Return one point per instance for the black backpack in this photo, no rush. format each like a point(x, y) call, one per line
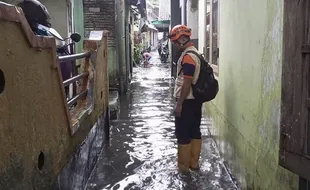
point(206, 87)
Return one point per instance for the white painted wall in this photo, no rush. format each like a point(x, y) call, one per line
point(59, 15)
point(192, 19)
point(202, 11)
point(182, 11)
point(164, 10)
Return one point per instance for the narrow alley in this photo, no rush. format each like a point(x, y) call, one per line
point(77, 112)
point(142, 151)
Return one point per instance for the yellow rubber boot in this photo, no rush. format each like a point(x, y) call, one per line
point(195, 153)
point(184, 157)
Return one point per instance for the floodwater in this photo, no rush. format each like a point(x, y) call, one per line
point(142, 150)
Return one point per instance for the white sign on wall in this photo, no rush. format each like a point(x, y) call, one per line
point(96, 35)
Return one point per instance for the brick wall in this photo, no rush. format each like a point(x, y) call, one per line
point(100, 15)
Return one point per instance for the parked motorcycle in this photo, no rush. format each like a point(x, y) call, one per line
point(65, 47)
point(39, 20)
point(164, 53)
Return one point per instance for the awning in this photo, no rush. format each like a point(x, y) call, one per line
point(161, 22)
point(146, 25)
point(162, 25)
point(152, 27)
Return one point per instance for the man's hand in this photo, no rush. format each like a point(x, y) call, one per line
point(184, 93)
point(178, 111)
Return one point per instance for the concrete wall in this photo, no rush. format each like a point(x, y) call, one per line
point(59, 15)
point(164, 10)
point(36, 126)
point(202, 24)
point(192, 19)
point(175, 20)
point(246, 112)
point(151, 39)
point(32, 104)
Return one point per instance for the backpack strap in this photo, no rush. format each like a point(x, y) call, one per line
point(195, 53)
point(180, 71)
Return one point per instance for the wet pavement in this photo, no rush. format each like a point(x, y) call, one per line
point(142, 150)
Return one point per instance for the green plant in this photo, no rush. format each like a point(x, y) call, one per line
point(137, 53)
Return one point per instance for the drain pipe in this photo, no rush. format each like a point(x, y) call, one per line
point(120, 44)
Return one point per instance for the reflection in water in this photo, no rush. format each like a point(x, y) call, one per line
point(142, 151)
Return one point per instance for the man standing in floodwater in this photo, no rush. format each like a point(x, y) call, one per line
point(188, 111)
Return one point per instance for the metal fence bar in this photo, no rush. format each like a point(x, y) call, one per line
point(73, 100)
point(73, 57)
point(75, 78)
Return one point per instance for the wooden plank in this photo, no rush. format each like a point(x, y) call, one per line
point(294, 112)
point(308, 102)
point(305, 80)
point(301, 162)
point(305, 48)
point(292, 59)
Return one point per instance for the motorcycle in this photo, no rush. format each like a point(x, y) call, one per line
point(164, 56)
point(39, 21)
point(164, 53)
point(64, 47)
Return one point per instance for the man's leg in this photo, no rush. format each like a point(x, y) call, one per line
point(144, 62)
point(195, 136)
point(148, 60)
point(184, 146)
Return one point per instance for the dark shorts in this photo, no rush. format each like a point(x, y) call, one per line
point(187, 126)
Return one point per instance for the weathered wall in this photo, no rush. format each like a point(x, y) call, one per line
point(35, 124)
point(246, 113)
point(32, 107)
point(101, 15)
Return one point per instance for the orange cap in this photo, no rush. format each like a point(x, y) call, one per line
point(178, 31)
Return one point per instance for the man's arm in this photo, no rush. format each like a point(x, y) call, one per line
point(189, 66)
point(186, 86)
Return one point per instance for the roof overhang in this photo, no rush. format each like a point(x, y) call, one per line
point(162, 25)
point(147, 26)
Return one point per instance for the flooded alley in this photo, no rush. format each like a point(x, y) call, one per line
point(77, 112)
point(142, 150)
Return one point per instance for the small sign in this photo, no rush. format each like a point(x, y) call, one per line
point(96, 35)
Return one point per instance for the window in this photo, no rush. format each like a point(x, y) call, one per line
point(212, 34)
point(294, 153)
